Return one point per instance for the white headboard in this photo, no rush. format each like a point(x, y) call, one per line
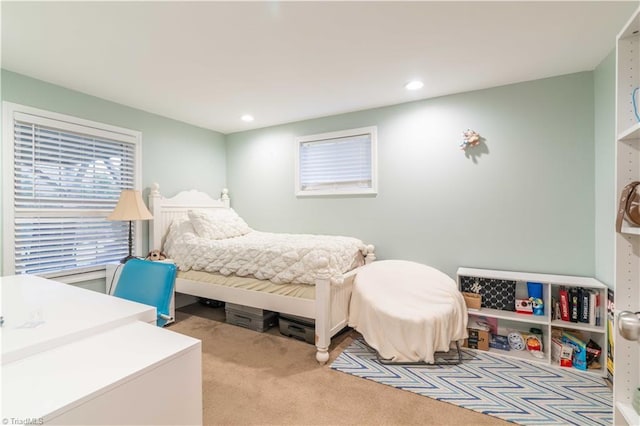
point(165, 210)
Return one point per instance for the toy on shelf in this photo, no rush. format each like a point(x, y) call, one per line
point(524, 306)
point(535, 297)
point(534, 343)
point(537, 305)
point(516, 342)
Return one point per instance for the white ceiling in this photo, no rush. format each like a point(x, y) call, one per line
point(207, 63)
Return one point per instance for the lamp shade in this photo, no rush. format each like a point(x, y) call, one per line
point(130, 207)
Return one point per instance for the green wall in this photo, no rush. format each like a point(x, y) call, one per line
point(605, 202)
point(174, 154)
point(523, 200)
point(532, 197)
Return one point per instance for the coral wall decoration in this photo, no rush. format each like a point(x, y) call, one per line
point(470, 138)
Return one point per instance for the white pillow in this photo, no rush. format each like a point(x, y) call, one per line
point(181, 226)
point(180, 230)
point(218, 224)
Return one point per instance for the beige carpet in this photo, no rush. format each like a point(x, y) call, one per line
point(267, 378)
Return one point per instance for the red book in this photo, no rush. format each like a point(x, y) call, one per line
point(564, 304)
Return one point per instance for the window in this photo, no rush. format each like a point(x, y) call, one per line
point(337, 163)
point(63, 176)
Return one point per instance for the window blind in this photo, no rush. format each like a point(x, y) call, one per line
point(67, 179)
point(336, 163)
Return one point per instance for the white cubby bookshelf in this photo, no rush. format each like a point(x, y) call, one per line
point(551, 284)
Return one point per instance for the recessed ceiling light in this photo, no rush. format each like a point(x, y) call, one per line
point(414, 85)
point(247, 118)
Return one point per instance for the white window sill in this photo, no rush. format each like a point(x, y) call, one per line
point(79, 277)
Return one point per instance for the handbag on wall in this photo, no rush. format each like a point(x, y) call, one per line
point(629, 207)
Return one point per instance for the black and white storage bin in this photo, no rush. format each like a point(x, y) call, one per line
point(298, 328)
point(496, 294)
point(248, 317)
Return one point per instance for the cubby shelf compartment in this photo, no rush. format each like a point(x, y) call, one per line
point(523, 322)
point(511, 316)
point(576, 326)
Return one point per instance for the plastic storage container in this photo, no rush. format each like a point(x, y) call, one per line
point(298, 328)
point(252, 318)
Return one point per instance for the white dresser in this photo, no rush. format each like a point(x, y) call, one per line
point(74, 356)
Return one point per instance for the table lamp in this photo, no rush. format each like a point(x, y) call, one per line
point(130, 207)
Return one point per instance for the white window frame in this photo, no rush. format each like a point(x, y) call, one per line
point(64, 122)
point(372, 131)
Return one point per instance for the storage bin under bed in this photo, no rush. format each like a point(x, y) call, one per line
point(248, 317)
point(298, 328)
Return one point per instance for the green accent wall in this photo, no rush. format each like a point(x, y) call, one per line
point(532, 197)
point(523, 200)
point(604, 81)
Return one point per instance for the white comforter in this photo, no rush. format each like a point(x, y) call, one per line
point(280, 258)
point(406, 310)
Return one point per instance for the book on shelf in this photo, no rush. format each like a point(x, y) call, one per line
point(564, 304)
point(594, 308)
point(598, 309)
point(583, 302)
point(579, 305)
point(574, 305)
point(610, 333)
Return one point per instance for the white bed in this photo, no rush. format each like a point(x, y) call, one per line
point(329, 307)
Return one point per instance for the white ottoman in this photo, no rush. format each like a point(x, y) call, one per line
point(407, 311)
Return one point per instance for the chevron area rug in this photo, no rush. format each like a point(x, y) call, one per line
point(511, 389)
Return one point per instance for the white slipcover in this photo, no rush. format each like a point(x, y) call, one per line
point(407, 311)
